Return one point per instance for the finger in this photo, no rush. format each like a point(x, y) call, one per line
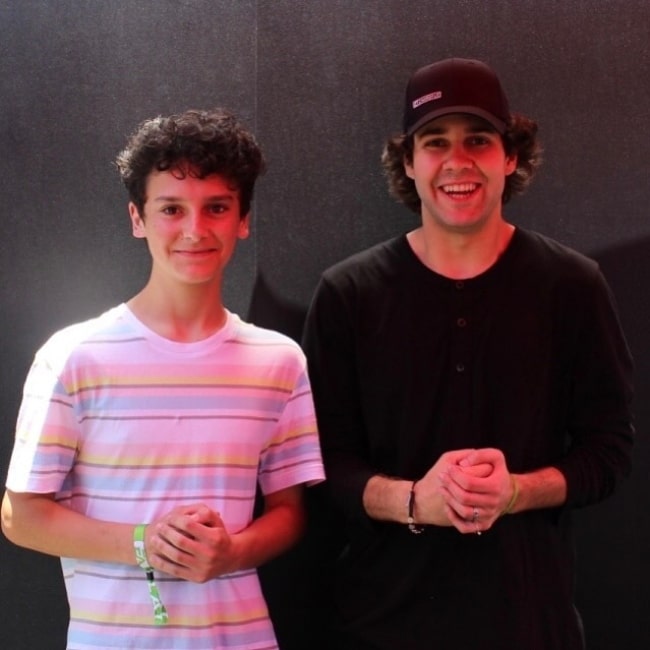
point(479, 482)
point(457, 501)
point(453, 493)
point(464, 503)
point(172, 566)
point(174, 535)
point(469, 513)
point(189, 509)
point(207, 517)
point(168, 558)
point(454, 457)
point(488, 455)
point(481, 470)
point(461, 524)
point(475, 523)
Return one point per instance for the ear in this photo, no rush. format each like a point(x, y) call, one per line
point(137, 223)
point(511, 164)
point(244, 227)
point(408, 167)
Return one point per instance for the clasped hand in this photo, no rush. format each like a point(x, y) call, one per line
point(191, 543)
point(468, 489)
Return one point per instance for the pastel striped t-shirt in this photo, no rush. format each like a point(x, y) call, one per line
point(124, 425)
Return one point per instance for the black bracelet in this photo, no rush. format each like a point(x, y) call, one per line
point(413, 527)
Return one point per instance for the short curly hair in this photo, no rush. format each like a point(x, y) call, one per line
point(196, 142)
point(520, 139)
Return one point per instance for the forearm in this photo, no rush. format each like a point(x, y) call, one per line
point(268, 536)
point(41, 524)
point(543, 488)
point(386, 499)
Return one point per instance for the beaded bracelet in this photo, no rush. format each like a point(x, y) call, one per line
point(160, 616)
point(410, 520)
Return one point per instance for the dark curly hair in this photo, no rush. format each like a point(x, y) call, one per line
point(198, 143)
point(520, 139)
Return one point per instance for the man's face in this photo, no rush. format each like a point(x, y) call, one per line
point(191, 226)
point(459, 168)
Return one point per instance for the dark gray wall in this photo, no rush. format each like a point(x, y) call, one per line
point(321, 84)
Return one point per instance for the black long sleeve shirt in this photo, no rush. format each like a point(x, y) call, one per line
point(528, 357)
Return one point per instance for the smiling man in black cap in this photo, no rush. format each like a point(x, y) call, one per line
point(472, 385)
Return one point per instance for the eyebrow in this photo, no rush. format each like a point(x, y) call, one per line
point(208, 199)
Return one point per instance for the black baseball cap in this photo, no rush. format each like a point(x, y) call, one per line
point(455, 86)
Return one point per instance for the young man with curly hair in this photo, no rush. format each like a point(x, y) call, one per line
point(144, 433)
point(472, 385)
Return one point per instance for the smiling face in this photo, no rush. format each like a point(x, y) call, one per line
point(459, 168)
point(191, 226)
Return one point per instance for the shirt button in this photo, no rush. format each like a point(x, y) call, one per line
point(460, 367)
point(461, 322)
point(460, 284)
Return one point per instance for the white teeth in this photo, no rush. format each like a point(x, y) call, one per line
point(460, 188)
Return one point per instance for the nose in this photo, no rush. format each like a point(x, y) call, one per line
point(193, 226)
point(458, 157)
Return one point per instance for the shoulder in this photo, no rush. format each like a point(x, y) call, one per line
point(264, 356)
point(80, 337)
point(262, 339)
point(377, 264)
point(554, 258)
point(570, 277)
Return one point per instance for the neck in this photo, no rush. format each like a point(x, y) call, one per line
point(191, 315)
point(460, 256)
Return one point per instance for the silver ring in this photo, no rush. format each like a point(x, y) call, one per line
point(475, 520)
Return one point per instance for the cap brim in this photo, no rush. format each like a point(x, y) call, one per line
point(498, 124)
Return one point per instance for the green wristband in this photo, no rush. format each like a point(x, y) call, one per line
point(160, 616)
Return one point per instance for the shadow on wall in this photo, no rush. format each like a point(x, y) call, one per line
point(611, 538)
point(270, 309)
point(297, 584)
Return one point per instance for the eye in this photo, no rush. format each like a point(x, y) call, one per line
point(217, 208)
point(434, 142)
point(477, 140)
point(171, 210)
point(480, 140)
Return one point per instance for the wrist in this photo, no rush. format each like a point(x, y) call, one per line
point(411, 522)
point(385, 498)
point(514, 496)
point(139, 551)
point(160, 616)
